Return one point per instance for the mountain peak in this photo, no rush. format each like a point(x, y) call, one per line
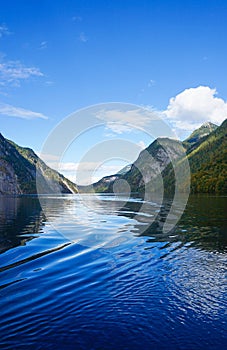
point(208, 125)
point(198, 134)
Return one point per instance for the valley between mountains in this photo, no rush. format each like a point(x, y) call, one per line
point(205, 149)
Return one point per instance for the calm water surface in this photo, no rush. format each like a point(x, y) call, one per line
point(88, 272)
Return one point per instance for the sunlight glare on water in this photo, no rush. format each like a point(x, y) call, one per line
point(86, 272)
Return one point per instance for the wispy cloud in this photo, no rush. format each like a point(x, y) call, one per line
point(48, 158)
point(120, 121)
point(4, 30)
point(49, 83)
point(89, 172)
point(151, 83)
point(11, 111)
point(141, 144)
point(83, 38)
point(12, 72)
point(43, 45)
point(77, 18)
point(83, 173)
point(148, 85)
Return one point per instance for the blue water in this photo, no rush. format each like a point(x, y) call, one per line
point(87, 272)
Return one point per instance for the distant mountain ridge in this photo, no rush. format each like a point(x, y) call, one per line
point(19, 169)
point(206, 150)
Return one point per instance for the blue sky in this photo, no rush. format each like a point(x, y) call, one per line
point(60, 56)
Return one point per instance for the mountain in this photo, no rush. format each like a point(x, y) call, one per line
point(145, 170)
point(105, 184)
point(206, 150)
point(208, 163)
point(199, 135)
point(20, 167)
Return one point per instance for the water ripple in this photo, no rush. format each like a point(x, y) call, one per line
point(97, 280)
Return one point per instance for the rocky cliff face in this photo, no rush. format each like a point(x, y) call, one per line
point(146, 169)
point(152, 161)
point(8, 179)
point(20, 168)
point(206, 152)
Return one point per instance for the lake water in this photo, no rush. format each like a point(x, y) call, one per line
point(88, 272)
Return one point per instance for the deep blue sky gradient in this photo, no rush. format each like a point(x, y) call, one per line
point(100, 51)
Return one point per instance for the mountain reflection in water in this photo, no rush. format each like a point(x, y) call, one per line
point(99, 272)
point(20, 220)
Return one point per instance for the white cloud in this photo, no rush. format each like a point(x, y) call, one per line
point(70, 167)
point(77, 19)
point(120, 121)
point(117, 127)
point(83, 173)
point(194, 106)
point(18, 112)
point(48, 158)
point(151, 83)
point(83, 38)
point(141, 144)
point(49, 82)
point(43, 45)
point(12, 72)
point(3, 30)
